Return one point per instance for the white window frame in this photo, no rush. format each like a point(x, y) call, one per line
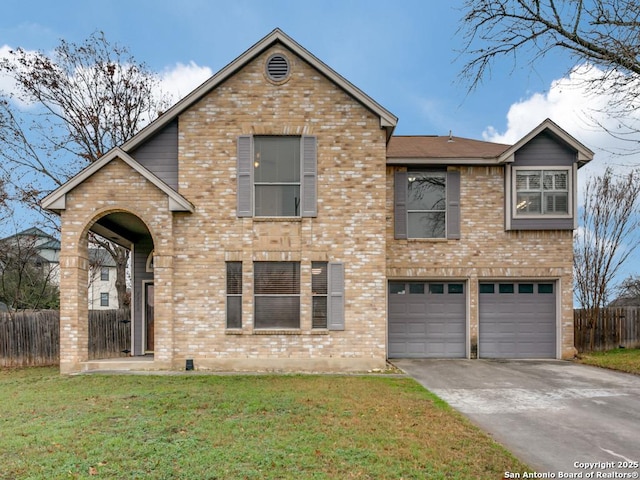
point(514, 193)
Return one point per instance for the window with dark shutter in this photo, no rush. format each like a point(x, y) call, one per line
point(234, 294)
point(276, 295)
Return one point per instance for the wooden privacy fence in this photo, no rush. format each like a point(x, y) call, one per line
point(614, 327)
point(33, 338)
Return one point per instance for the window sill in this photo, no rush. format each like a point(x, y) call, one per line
point(233, 331)
point(428, 240)
point(272, 331)
point(277, 219)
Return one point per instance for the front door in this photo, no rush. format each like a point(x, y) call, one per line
point(148, 315)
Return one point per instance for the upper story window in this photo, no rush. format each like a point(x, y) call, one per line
point(426, 204)
point(277, 176)
point(104, 274)
point(542, 192)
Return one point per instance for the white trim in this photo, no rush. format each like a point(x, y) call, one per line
point(541, 216)
point(149, 267)
point(57, 199)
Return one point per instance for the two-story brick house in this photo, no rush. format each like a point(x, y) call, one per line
point(276, 223)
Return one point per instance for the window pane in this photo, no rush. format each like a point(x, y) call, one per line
point(528, 203)
point(416, 288)
point(427, 225)
point(319, 319)
point(556, 202)
point(455, 288)
point(277, 200)
point(528, 180)
point(545, 288)
point(397, 288)
point(506, 288)
point(426, 191)
point(234, 312)
point(277, 312)
point(487, 288)
point(277, 159)
point(525, 288)
point(319, 278)
point(555, 180)
point(277, 278)
point(234, 278)
point(436, 288)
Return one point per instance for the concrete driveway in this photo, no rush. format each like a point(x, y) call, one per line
point(556, 416)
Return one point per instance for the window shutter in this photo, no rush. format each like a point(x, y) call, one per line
point(335, 307)
point(400, 202)
point(309, 187)
point(453, 205)
point(245, 176)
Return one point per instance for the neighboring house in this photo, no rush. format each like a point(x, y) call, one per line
point(42, 248)
point(44, 251)
point(102, 280)
point(276, 223)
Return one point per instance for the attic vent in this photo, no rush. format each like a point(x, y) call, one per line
point(277, 67)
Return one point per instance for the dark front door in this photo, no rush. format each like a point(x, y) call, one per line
point(148, 315)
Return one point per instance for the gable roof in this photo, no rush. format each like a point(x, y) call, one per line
point(413, 149)
point(388, 121)
point(584, 154)
point(56, 200)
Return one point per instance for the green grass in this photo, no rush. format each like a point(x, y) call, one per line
point(235, 427)
point(623, 359)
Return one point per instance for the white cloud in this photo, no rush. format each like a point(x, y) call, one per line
point(181, 79)
point(578, 111)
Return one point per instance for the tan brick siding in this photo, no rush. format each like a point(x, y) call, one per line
point(485, 250)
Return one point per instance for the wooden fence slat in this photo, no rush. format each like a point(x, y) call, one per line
point(33, 338)
point(613, 328)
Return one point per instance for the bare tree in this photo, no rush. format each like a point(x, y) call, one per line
point(603, 34)
point(82, 101)
point(609, 235)
point(628, 292)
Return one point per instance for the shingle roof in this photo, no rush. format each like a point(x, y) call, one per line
point(442, 147)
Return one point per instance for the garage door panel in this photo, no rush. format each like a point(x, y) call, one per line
point(521, 324)
point(429, 323)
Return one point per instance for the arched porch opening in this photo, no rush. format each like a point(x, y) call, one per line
point(128, 232)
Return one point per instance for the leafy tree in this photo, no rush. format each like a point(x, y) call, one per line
point(609, 235)
point(602, 34)
point(67, 110)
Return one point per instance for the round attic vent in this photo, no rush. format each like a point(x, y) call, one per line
point(277, 67)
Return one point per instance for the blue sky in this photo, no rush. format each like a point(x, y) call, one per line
point(404, 54)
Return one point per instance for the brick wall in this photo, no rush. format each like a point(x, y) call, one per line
point(485, 250)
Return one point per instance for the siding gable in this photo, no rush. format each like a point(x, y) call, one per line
point(159, 154)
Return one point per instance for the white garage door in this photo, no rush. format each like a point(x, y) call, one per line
point(427, 320)
point(517, 320)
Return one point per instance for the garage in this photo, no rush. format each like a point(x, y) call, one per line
point(427, 320)
point(517, 320)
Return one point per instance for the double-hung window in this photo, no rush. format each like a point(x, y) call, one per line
point(277, 295)
point(319, 290)
point(542, 192)
point(234, 294)
point(427, 204)
point(277, 176)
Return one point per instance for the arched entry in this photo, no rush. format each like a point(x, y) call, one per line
point(130, 232)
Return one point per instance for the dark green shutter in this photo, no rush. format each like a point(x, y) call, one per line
point(245, 176)
point(453, 205)
point(400, 205)
point(335, 300)
point(309, 187)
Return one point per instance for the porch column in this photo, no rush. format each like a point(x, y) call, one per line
point(163, 311)
point(74, 314)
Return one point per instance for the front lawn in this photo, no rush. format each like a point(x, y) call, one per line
point(623, 359)
point(235, 427)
